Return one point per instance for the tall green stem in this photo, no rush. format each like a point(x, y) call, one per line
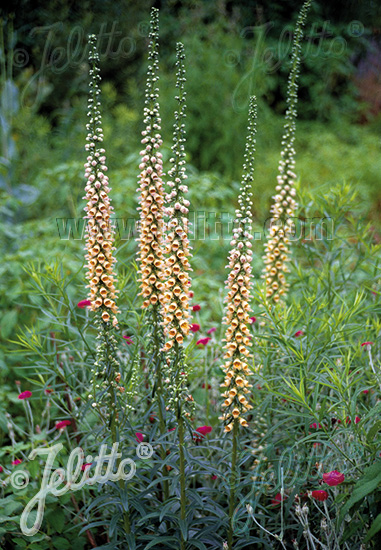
point(233, 483)
point(182, 477)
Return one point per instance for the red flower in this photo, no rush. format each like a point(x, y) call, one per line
point(333, 478)
point(298, 333)
point(315, 426)
point(16, 462)
point(320, 495)
point(191, 294)
point(366, 344)
point(48, 390)
point(214, 477)
point(172, 429)
point(277, 499)
point(365, 391)
point(203, 341)
point(209, 386)
point(139, 437)
point(202, 430)
point(195, 327)
point(25, 394)
point(252, 320)
point(84, 303)
point(128, 340)
point(85, 466)
point(348, 420)
point(213, 329)
point(1, 469)
point(62, 424)
point(196, 307)
point(357, 419)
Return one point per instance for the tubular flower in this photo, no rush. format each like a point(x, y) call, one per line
point(277, 250)
point(239, 283)
point(150, 255)
point(99, 231)
point(177, 250)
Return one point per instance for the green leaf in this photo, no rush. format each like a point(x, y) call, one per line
point(373, 431)
point(61, 544)
point(374, 528)
point(56, 519)
point(365, 485)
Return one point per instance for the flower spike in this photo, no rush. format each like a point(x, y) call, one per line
point(239, 282)
point(99, 231)
point(277, 251)
point(176, 297)
point(150, 256)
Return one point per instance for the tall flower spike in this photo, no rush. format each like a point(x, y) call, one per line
point(99, 231)
point(151, 189)
point(177, 285)
point(239, 283)
point(277, 251)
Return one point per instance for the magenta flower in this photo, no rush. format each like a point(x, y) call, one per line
point(320, 495)
point(139, 437)
point(25, 394)
point(128, 340)
point(366, 344)
point(194, 327)
point(298, 333)
point(203, 341)
point(1, 469)
point(61, 425)
point(365, 391)
point(357, 419)
point(84, 303)
point(315, 426)
point(333, 478)
point(196, 307)
point(16, 462)
point(211, 330)
point(203, 430)
point(252, 320)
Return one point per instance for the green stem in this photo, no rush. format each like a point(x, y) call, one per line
point(233, 479)
point(182, 477)
point(160, 400)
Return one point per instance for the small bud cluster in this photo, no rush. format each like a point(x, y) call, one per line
point(239, 284)
point(177, 250)
point(99, 231)
point(277, 252)
point(151, 188)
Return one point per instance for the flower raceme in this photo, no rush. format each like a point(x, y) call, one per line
point(236, 386)
point(177, 248)
point(277, 252)
point(99, 231)
point(151, 189)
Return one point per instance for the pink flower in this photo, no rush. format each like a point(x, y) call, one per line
point(298, 333)
point(139, 437)
point(1, 469)
point(277, 499)
point(25, 394)
point(172, 429)
point(315, 426)
point(211, 330)
point(214, 477)
point(357, 419)
point(252, 320)
point(16, 462)
point(85, 466)
point(196, 307)
point(84, 303)
point(333, 478)
point(61, 425)
point(366, 344)
point(128, 340)
point(365, 391)
point(195, 327)
point(203, 430)
point(203, 341)
point(320, 495)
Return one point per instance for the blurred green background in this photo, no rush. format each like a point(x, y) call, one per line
point(234, 49)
